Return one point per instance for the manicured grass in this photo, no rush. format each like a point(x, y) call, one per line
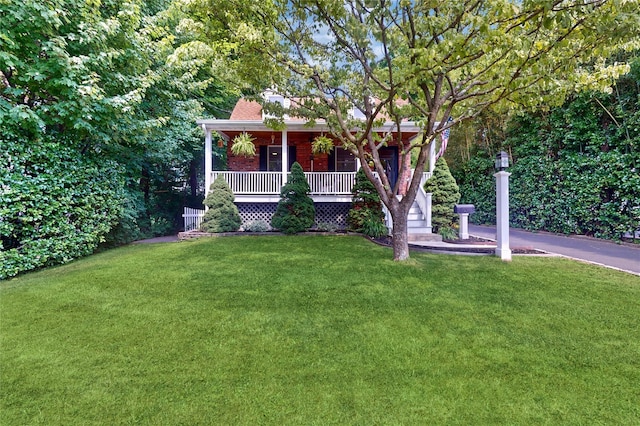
point(318, 330)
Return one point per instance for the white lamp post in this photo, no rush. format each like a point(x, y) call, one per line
point(502, 206)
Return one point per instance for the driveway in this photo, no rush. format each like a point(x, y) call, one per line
point(620, 256)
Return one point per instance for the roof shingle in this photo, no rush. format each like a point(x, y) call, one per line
point(246, 110)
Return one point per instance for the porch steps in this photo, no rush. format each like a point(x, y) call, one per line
point(416, 226)
point(426, 236)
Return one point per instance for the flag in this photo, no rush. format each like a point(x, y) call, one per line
point(444, 139)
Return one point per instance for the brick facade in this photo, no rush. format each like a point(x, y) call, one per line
point(302, 142)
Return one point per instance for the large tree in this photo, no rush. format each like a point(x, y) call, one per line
point(430, 61)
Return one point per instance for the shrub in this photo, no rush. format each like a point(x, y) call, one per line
point(448, 233)
point(477, 187)
point(374, 228)
point(55, 204)
point(445, 194)
point(295, 212)
point(223, 215)
point(366, 215)
point(327, 227)
point(257, 226)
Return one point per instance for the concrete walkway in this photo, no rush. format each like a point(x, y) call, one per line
point(624, 257)
point(165, 239)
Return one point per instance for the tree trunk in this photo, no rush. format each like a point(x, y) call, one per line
point(400, 236)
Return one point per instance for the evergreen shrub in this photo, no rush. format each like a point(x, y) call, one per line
point(445, 195)
point(223, 215)
point(366, 215)
point(295, 212)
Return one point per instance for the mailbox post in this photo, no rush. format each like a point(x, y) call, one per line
point(463, 211)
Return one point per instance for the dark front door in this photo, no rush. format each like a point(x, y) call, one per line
point(271, 158)
point(389, 158)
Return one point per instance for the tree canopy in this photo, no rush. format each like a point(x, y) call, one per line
point(114, 86)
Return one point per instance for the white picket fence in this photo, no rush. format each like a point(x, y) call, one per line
point(192, 218)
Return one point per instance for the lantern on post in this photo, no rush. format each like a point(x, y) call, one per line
point(502, 161)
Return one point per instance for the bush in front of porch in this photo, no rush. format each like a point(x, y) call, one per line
point(295, 212)
point(223, 215)
point(446, 194)
point(366, 215)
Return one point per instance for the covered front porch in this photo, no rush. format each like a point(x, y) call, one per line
point(257, 193)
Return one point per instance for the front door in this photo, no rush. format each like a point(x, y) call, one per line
point(274, 158)
point(389, 158)
point(271, 158)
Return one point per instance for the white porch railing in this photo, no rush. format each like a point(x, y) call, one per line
point(251, 183)
point(270, 183)
point(424, 200)
point(192, 218)
point(330, 183)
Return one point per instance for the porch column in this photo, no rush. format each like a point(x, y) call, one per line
point(208, 159)
point(432, 156)
point(285, 157)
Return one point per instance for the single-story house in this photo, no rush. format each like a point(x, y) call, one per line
point(256, 181)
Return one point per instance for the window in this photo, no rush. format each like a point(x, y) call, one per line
point(345, 161)
point(277, 98)
point(358, 114)
point(274, 158)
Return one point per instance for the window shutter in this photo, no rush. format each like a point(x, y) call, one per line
point(263, 158)
point(292, 156)
point(332, 160)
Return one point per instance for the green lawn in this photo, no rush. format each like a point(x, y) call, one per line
point(318, 330)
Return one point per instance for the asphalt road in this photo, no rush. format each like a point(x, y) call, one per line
point(623, 257)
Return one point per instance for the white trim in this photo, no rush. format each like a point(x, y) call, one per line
point(285, 157)
point(222, 126)
point(208, 159)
